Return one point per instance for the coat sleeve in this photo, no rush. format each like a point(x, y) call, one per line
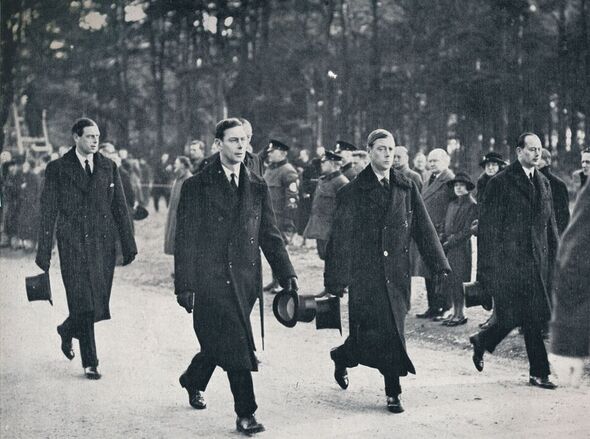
point(570, 326)
point(425, 236)
point(187, 228)
point(271, 242)
point(465, 231)
point(491, 215)
point(49, 209)
point(121, 215)
point(338, 264)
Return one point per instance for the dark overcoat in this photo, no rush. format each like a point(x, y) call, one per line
point(217, 256)
point(88, 214)
point(437, 197)
point(517, 240)
point(368, 251)
point(170, 230)
point(283, 183)
point(28, 206)
point(457, 237)
point(561, 199)
point(324, 206)
point(570, 326)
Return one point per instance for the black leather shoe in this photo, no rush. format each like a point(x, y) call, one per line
point(394, 404)
point(542, 382)
point(66, 344)
point(195, 397)
point(340, 373)
point(428, 314)
point(478, 351)
point(248, 425)
point(92, 373)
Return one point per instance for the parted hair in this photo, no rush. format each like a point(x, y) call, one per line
point(224, 125)
point(377, 134)
point(522, 138)
point(184, 161)
point(80, 124)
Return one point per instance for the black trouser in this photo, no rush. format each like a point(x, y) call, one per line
point(533, 339)
point(82, 328)
point(157, 193)
point(436, 301)
point(321, 245)
point(344, 356)
point(199, 372)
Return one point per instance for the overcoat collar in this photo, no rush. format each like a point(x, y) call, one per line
point(277, 164)
point(442, 178)
point(77, 173)
point(368, 182)
point(331, 175)
point(522, 182)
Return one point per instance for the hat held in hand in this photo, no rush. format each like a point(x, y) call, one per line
point(38, 288)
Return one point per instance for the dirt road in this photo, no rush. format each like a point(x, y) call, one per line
point(150, 341)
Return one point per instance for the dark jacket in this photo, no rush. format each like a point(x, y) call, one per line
point(561, 199)
point(324, 206)
point(412, 175)
point(570, 326)
point(217, 256)
point(456, 239)
point(28, 206)
point(517, 241)
point(283, 183)
point(170, 230)
point(252, 161)
point(349, 171)
point(90, 212)
point(481, 184)
point(368, 251)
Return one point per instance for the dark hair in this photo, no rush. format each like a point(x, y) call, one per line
point(184, 160)
point(80, 124)
point(586, 150)
point(522, 138)
point(224, 125)
point(376, 135)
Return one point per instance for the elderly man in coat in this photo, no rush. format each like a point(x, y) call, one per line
point(182, 171)
point(561, 197)
point(516, 250)
point(224, 218)
point(84, 203)
point(570, 326)
point(377, 215)
point(437, 196)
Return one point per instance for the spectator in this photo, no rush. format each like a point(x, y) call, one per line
point(182, 171)
point(559, 192)
point(28, 206)
point(162, 177)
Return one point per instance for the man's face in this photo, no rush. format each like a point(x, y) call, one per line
point(542, 163)
point(420, 162)
point(460, 189)
point(586, 163)
point(381, 154)
point(400, 158)
point(178, 166)
point(276, 155)
point(232, 147)
point(346, 156)
point(530, 154)
point(195, 151)
point(329, 166)
point(87, 143)
point(491, 168)
point(437, 162)
point(248, 130)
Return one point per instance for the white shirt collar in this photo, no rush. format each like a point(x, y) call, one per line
point(83, 158)
point(528, 171)
point(229, 171)
point(380, 176)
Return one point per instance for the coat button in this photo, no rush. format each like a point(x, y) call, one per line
point(384, 227)
point(227, 282)
point(387, 281)
point(251, 240)
point(385, 253)
point(406, 249)
point(230, 264)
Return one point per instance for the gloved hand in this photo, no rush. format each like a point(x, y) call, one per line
point(290, 284)
point(336, 291)
point(129, 259)
point(186, 300)
point(42, 264)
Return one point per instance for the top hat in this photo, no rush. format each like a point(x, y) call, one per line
point(275, 144)
point(290, 308)
point(331, 156)
point(38, 288)
point(494, 157)
point(140, 213)
point(328, 313)
point(462, 177)
point(476, 296)
point(341, 145)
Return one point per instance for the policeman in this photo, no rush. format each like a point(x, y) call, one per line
point(345, 150)
point(283, 183)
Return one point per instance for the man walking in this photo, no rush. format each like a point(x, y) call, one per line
point(368, 252)
point(84, 203)
point(516, 249)
point(224, 219)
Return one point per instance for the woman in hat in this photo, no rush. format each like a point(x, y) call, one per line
point(492, 163)
point(456, 242)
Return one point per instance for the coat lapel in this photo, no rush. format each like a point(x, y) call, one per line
point(430, 189)
point(369, 183)
point(522, 182)
point(75, 171)
point(217, 186)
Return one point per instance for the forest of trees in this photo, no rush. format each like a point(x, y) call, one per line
point(156, 73)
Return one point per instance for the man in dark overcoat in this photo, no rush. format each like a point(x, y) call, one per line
point(224, 218)
point(570, 326)
point(324, 202)
point(83, 201)
point(561, 197)
point(516, 250)
point(437, 197)
point(377, 215)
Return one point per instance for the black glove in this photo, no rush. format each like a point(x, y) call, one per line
point(336, 291)
point(290, 284)
point(129, 259)
point(42, 264)
point(186, 300)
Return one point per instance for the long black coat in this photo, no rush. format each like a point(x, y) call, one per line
point(28, 206)
point(90, 213)
point(517, 243)
point(368, 251)
point(561, 199)
point(457, 238)
point(217, 256)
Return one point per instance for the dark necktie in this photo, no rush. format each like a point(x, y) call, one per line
point(87, 168)
point(233, 184)
point(531, 179)
point(385, 183)
point(431, 179)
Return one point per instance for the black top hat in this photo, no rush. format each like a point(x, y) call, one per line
point(328, 313)
point(492, 157)
point(140, 213)
point(475, 295)
point(462, 177)
point(38, 287)
point(341, 145)
point(290, 308)
point(275, 144)
point(331, 156)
